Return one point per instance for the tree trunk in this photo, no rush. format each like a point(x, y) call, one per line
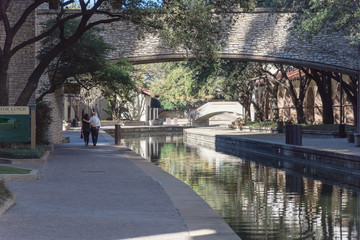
point(247, 107)
point(274, 100)
point(4, 89)
point(324, 86)
point(259, 114)
point(326, 97)
point(300, 113)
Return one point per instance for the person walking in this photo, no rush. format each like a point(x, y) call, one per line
point(95, 127)
point(85, 127)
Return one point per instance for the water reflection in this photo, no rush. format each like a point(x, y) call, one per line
point(257, 201)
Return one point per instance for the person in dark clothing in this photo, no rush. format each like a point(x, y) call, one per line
point(85, 127)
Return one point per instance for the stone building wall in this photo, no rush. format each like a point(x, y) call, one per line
point(312, 105)
point(53, 100)
point(23, 63)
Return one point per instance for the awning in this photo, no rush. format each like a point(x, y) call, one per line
point(155, 103)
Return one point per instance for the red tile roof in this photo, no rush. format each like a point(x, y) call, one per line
point(292, 74)
point(145, 91)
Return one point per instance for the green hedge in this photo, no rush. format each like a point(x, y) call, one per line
point(21, 153)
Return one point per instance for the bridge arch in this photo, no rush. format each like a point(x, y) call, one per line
point(260, 36)
point(200, 117)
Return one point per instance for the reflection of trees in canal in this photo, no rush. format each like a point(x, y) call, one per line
point(257, 201)
point(260, 202)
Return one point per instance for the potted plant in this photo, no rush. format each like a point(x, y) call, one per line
point(65, 125)
point(242, 122)
point(357, 139)
point(155, 122)
point(279, 125)
point(237, 123)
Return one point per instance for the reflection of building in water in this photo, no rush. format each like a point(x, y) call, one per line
point(153, 149)
point(149, 146)
point(294, 184)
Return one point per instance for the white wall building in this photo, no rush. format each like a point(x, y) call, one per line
point(143, 108)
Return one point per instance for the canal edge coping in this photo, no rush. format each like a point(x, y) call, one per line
point(326, 159)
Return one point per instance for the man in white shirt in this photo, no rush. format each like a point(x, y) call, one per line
point(95, 126)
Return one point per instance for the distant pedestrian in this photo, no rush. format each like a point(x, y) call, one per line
point(85, 127)
point(95, 127)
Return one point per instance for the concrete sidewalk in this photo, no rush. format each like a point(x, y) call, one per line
point(107, 192)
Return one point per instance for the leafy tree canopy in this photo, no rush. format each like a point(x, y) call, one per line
point(179, 88)
point(315, 16)
point(86, 55)
point(188, 24)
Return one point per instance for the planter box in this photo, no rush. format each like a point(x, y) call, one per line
point(280, 127)
point(156, 122)
point(357, 139)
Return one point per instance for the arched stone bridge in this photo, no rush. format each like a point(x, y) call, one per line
point(258, 36)
point(200, 117)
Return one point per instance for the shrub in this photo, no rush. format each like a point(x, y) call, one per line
point(21, 153)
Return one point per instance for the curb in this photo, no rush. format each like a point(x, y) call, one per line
point(41, 160)
point(8, 203)
point(32, 176)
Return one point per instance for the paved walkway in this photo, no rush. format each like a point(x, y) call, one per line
point(107, 192)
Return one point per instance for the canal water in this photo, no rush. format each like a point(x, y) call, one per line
point(256, 200)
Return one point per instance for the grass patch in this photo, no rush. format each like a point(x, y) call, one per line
point(21, 153)
point(12, 170)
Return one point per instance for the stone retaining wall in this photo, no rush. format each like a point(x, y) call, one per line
point(232, 145)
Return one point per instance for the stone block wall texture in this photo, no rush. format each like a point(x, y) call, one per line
point(54, 100)
point(258, 36)
point(23, 63)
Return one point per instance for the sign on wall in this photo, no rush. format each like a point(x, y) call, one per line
point(15, 124)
